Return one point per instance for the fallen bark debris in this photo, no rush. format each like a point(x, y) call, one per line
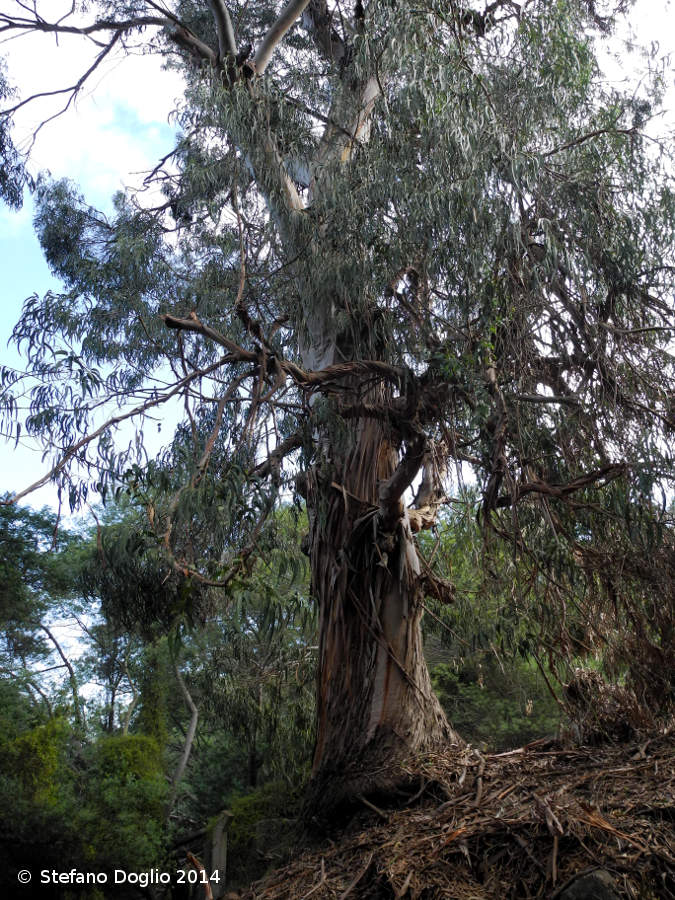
point(531, 823)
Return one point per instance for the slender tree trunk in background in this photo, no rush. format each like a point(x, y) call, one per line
point(77, 706)
point(126, 719)
point(110, 719)
point(187, 744)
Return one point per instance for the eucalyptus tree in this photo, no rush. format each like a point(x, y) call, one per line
point(394, 240)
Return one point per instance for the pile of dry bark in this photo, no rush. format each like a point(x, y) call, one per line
point(522, 824)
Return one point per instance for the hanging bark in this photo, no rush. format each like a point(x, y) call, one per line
point(376, 706)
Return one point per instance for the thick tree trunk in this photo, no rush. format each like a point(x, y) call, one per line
point(376, 708)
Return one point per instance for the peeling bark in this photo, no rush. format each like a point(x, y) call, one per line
point(376, 706)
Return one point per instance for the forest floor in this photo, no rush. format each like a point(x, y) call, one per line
point(521, 824)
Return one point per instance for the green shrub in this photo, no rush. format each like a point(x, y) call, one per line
point(262, 831)
point(122, 813)
point(500, 708)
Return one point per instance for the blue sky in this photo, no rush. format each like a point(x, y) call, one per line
point(115, 131)
point(120, 127)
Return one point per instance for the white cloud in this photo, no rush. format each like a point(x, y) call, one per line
point(117, 126)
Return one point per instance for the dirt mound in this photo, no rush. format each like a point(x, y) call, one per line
point(541, 821)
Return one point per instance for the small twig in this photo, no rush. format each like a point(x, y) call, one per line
point(479, 779)
point(320, 884)
point(554, 860)
point(406, 884)
point(375, 809)
point(358, 878)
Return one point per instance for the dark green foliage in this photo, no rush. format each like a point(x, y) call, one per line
point(70, 798)
point(37, 798)
point(96, 806)
point(263, 829)
point(497, 706)
point(36, 575)
point(32, 572)
point(123, 795)
point(156, 684)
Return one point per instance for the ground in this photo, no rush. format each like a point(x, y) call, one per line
point(534, 822)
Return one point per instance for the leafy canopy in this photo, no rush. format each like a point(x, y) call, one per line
point(490, 239)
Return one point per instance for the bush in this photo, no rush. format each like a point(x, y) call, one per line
point(499, 708)
point(122, 813)
point(264, 819)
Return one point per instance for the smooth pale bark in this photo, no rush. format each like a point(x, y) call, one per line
point(79, 711)
point(187, 743)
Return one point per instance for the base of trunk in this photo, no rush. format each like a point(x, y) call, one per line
point(386, 772)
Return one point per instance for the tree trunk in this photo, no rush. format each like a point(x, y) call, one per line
point(376, 708)
point(187, 744)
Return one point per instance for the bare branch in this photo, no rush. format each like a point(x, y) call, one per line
point(309, 379)
point(135, 697)
point(284, 22)
point(273, 461)
point(79, 714)
point(73, 90)
point(561, 491)
point(189, 739)
point(391, 491)
point(11, 23)
point(227, 45)
point(193, 324)
point(196, 47)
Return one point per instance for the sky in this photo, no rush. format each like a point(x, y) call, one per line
point(119, 127)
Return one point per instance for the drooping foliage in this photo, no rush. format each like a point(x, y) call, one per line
point(12, 172)
point(404, 241)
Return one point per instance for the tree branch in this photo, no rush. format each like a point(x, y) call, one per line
point(284, 22)
point(391, 491)
point(135, 697)
point(561, 491)
point(227, 46)
point(193, 324)
point(19, 24)
point(79, 715)
point(187, 744)
point(194, 45)
point(273, 461)
point(318, 21)
point(71, 452)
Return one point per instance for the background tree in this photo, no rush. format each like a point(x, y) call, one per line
point(36, 577)
point(71, 795)
point(396, 238)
